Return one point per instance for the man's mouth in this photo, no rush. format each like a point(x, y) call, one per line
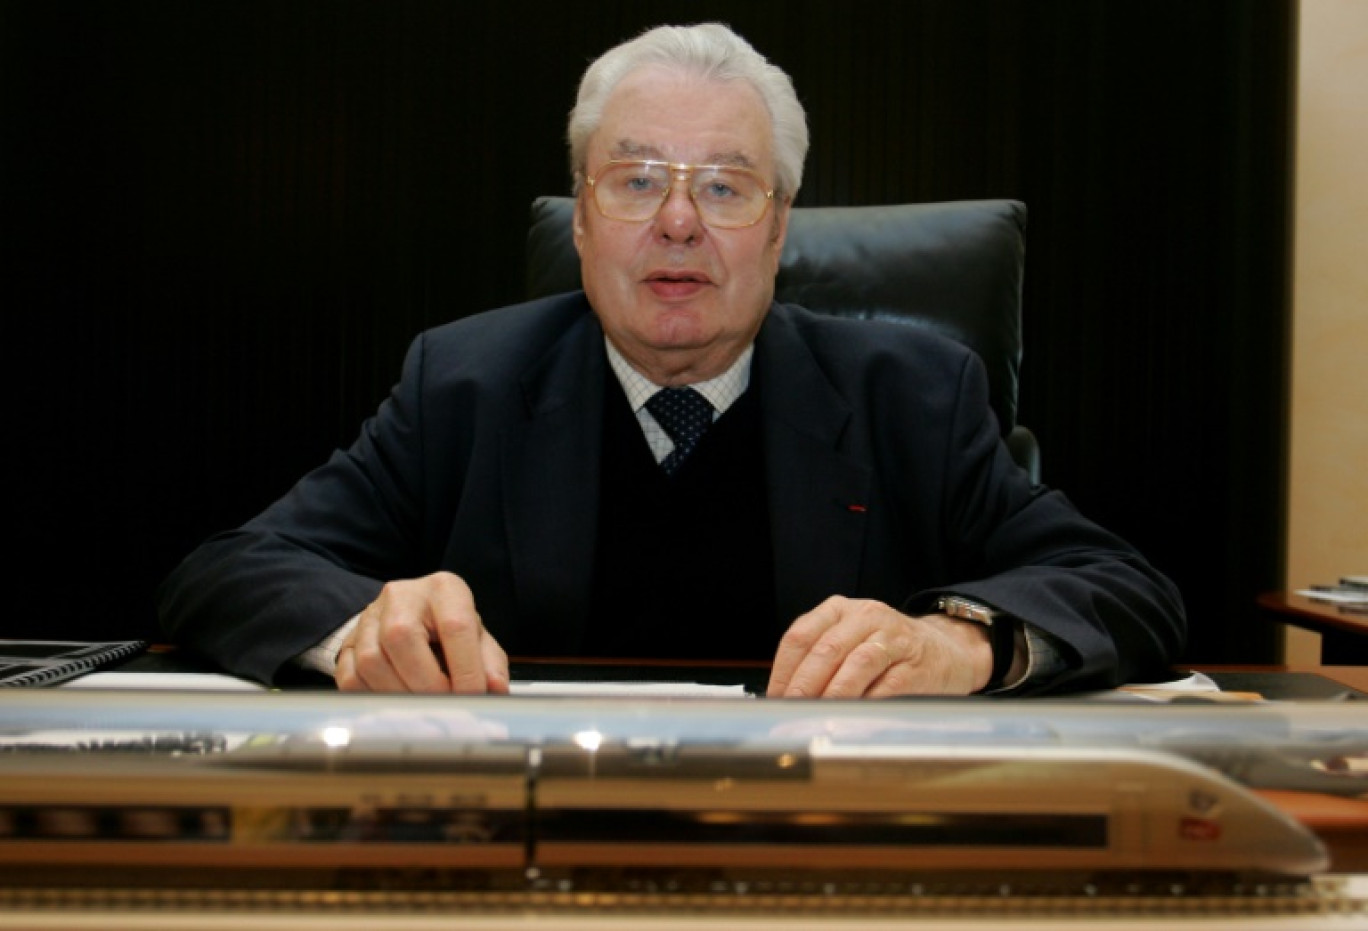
point(672, 285)
point(678, 277)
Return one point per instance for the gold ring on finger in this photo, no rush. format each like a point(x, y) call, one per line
point(888, 654)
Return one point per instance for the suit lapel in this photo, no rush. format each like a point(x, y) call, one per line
point(551, 488)
point(817, 492)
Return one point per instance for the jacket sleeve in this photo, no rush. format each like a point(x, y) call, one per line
point(1027, 551)
point(253, 598)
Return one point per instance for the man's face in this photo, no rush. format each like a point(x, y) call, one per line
point(680, 299)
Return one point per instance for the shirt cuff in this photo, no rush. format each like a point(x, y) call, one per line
point(322, 656)
point(1044, 660)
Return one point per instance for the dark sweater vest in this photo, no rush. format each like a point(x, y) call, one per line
point(683, 567)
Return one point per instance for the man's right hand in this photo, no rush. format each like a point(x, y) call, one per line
point(422, 635)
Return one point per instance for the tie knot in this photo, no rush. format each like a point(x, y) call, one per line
point(685, 415)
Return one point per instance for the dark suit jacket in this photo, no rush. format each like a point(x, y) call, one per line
point(886, 479)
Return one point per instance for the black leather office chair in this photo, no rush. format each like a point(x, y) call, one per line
point(953, 267)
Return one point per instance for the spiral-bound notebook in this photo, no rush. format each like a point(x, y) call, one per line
point(47, 662)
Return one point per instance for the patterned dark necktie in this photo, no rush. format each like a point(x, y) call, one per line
point(684, 414)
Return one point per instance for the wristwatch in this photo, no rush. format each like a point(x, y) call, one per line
point(1001, 632)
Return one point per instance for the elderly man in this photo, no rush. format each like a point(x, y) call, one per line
point(670, 465)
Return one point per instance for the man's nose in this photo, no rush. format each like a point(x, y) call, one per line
point(678, 219)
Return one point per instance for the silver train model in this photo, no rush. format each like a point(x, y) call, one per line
point(334, 800)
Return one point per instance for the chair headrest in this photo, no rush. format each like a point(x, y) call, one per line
point(955, 268)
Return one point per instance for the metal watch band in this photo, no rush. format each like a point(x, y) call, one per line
point(1001, 632)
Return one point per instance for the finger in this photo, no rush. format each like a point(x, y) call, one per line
point(900, 679)
point(344, 673)
point(910, 678)
point(795, 644)
point(846, 623)
point(403, 624)
point(370, 664)
point(863, 667)
point(495, 664)
point(460, 634)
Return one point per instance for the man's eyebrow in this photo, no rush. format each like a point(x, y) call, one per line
point(734, 159)
point(626, 148)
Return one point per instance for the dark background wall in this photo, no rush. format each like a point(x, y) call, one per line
point(223, 222)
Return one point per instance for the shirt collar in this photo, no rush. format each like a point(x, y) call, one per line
point(722, 391)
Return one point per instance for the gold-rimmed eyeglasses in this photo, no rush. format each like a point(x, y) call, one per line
point(634, 190)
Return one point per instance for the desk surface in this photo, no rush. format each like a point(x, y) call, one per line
point(1320, 616)
point(1275, 682)
point(1301, 682)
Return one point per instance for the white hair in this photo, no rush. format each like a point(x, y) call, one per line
point(710, 51)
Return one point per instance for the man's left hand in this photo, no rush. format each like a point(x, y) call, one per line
point(848, 648)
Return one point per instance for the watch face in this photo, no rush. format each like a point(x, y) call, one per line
point(968, 610)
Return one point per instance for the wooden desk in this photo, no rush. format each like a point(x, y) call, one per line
point(1343, 628)
point(1245, 677)
point(1264, 679)
point(1356, 677)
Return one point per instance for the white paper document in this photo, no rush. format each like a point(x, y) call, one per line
point(1340, 596)
point(217, 682)
point(627, 689)
point(191, 681)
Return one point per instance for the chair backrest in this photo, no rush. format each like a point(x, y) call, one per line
point(953, 267)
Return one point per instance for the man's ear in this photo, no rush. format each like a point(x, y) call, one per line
point(577, 224)
point(779, 231)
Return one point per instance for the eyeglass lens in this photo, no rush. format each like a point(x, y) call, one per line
point(723, 196)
